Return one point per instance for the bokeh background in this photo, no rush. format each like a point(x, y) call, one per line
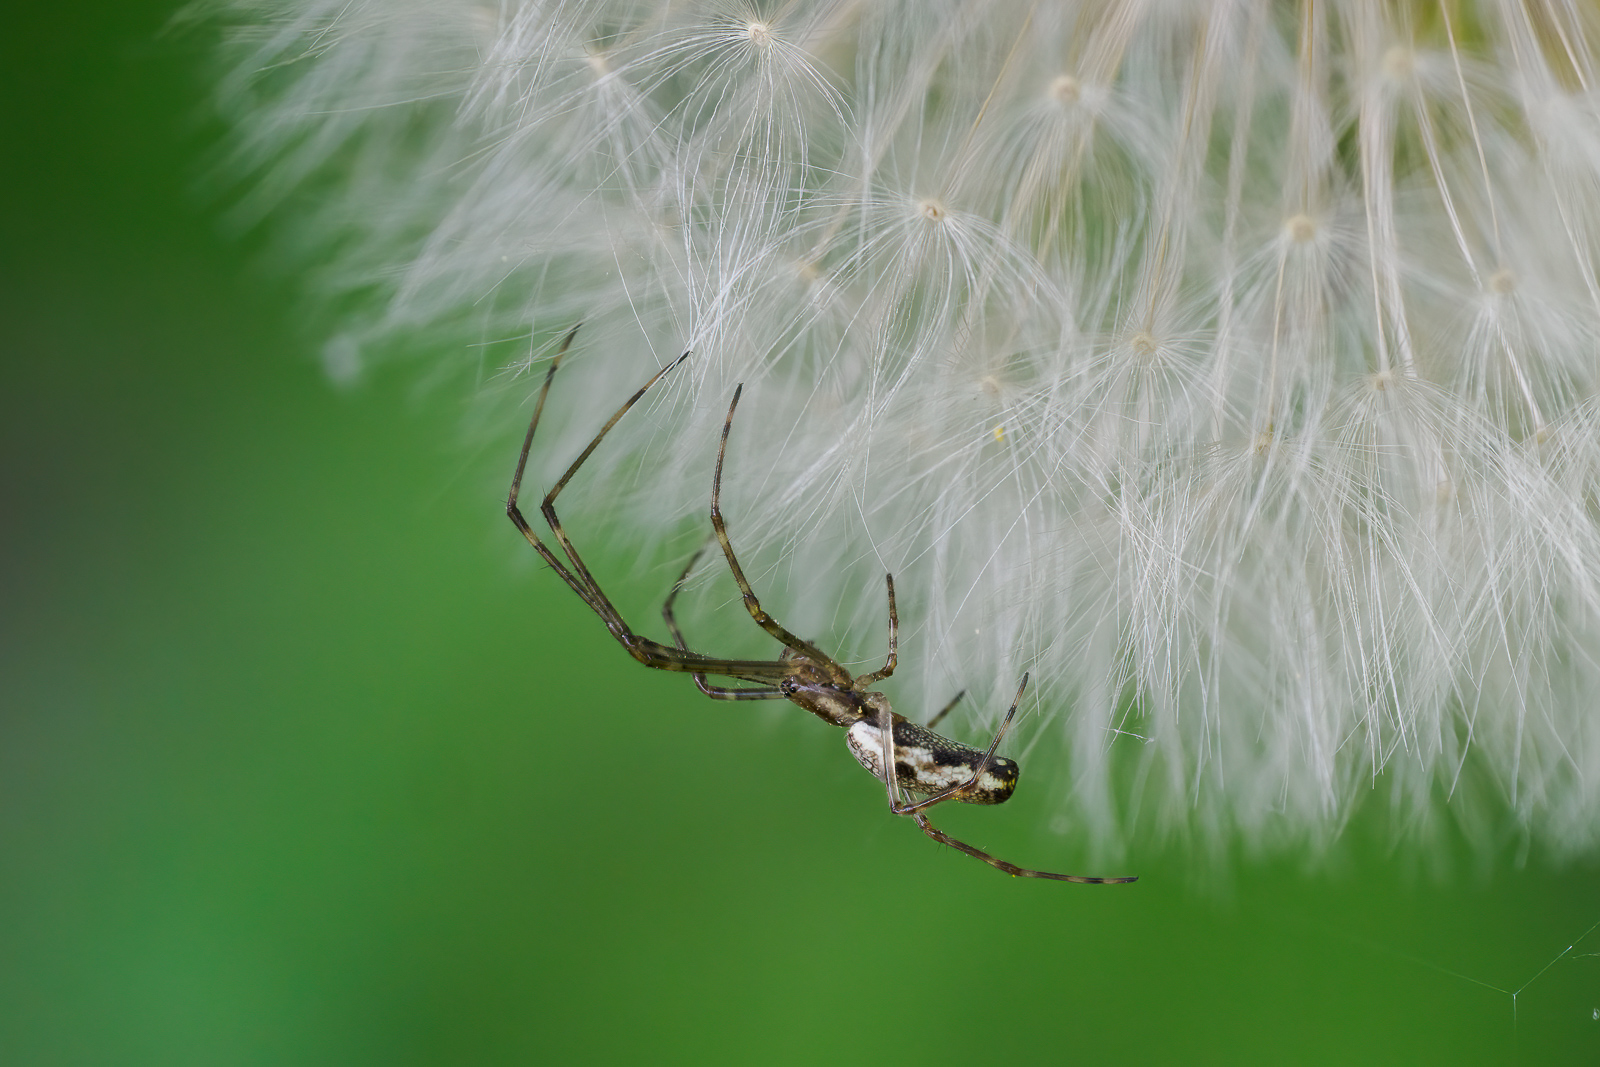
point(303, 760)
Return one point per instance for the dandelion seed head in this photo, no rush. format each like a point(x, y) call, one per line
point(1231, 368)
point(1300, 228)
point(1399, 63)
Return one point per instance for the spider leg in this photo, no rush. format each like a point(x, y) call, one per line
point(915, 810)
point(585, 593)
point(577, 576)
point(715, 692)
point(599, 601)
point(1010, 868)
point(891, 775)
point(956, 792)
point(945, 710)
point(751, 603)
point(894, 644)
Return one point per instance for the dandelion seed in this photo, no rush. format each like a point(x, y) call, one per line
point(1064, 89)
point(1232, 368)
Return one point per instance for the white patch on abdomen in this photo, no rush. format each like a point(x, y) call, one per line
point(927, 774)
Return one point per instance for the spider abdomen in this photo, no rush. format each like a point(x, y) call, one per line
point(926, 762)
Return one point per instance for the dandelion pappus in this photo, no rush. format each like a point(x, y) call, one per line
point(905, 756)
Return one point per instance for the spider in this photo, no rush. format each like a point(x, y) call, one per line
point(905, 756)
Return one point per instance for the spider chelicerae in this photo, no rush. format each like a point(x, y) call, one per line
point(905, 756)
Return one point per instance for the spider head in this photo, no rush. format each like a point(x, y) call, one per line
point(841, 705)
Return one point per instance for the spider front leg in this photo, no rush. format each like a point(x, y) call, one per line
point(1010, 868)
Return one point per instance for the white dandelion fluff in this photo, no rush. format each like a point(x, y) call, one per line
point(1232, 367)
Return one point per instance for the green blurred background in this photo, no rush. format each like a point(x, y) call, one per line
point(305, 761)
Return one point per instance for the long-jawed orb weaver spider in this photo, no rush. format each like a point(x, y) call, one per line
point(904, 756)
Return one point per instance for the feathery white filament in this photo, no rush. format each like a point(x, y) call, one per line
point(1230, 366)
